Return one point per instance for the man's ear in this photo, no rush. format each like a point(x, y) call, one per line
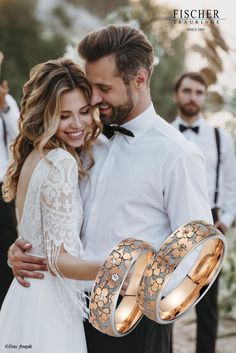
point(141, 78)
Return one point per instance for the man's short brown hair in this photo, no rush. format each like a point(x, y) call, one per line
point(195, 76)
point(130, 46)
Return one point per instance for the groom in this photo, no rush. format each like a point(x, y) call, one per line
point(147, 180)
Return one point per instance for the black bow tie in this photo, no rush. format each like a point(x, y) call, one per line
point(109, 130)
point(183, 128)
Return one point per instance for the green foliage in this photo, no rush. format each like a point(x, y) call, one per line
point(59, 12)
point(22, 43)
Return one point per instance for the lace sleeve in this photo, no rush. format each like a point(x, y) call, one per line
point(59, 206)
point(60, 219)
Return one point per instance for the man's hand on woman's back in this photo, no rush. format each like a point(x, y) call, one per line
point(25, 265)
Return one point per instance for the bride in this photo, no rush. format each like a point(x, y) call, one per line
point(56, 124)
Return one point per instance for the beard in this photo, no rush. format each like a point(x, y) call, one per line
point(189, 111)
point(120, 112)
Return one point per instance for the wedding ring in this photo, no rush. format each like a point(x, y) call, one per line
point(126, 263)
point(153, 297)
point(21, 273)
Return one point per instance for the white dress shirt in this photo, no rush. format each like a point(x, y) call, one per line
point(144, 186)
point(206, 141)
point(10, 118)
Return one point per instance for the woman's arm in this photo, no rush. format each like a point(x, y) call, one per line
point(60, 216)
point(76, 268)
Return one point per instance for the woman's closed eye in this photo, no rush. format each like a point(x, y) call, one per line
point(85, 111)
point(63, 117)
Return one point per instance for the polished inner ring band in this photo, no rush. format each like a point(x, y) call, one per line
point(109, 313)
point(170, 307)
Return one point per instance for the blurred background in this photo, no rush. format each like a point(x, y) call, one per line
point(33, 31)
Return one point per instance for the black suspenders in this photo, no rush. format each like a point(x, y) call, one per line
point(217, 137)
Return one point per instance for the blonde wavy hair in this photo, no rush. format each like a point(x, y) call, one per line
point(40, 118)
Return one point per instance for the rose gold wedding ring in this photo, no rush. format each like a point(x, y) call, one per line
point(109, 312)
point(153, 297)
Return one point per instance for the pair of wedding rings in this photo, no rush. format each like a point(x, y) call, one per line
point(145, 276)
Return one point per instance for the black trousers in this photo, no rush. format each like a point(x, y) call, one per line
point(207, 320)
point(147, 337)
point(8, 235)
point(207, 314)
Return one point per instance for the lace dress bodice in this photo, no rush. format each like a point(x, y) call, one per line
point(52, 216)
point(53, 207)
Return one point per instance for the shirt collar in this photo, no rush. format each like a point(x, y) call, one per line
point(199, 122)
point(140, 124)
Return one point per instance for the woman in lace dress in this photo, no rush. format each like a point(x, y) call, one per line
point(56, 118)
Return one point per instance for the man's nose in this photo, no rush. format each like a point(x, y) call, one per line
point(96, 97)
point(193, 97)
